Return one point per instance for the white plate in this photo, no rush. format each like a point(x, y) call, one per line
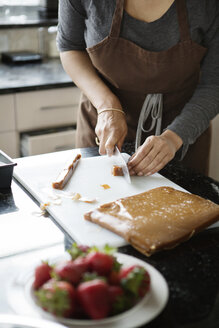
point(22, 302)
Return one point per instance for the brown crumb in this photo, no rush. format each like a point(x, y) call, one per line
point(117, 170)
point(105, 186)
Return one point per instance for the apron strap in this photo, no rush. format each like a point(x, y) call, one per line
point(117, 19)
point(152, 108)
point(183, 20)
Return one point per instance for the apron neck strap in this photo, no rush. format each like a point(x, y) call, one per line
point(183, 20)
point(117, 19)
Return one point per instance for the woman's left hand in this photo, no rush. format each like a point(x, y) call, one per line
point(154, 153)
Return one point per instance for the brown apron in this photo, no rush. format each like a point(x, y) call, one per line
point(132, 72)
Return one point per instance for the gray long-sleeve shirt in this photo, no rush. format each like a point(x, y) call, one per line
point(84, 23)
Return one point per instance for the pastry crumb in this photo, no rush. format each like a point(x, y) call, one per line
point(76, 196)
point(105, 186)
point(43, 206)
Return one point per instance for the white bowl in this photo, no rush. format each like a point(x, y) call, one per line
point(143, 312)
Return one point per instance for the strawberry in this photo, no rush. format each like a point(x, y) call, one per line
point(114, 278)
point(135, 279)
point(82, 263)
point(70, 271)
point(93, 296)
point(84, 248)
point(42, 274)
point(100, 262)
point(78, 251)
point(119, 301)
point(114, 293)
point(125, 271)
point(57, 297)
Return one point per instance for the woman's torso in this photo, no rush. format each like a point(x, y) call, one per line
point(151, 36)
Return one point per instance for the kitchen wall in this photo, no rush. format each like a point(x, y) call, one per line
point(40, 40)
point(19, 39)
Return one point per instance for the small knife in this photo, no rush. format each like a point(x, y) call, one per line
point(122, 163)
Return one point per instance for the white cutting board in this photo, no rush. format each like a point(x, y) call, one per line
point(36, 173)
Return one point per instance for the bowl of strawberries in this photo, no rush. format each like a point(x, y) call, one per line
point(92, 287)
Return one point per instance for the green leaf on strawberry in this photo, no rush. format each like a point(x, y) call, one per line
point(136, 281)
point(88, 276)
point(109, 249)
point(106, 249)
point(119, 300)
point(116, 265)
point(78, 250)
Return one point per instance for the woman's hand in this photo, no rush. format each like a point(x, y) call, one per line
point(111, 130)
point(155, 153)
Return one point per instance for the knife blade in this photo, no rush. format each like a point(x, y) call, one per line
point(122, 163)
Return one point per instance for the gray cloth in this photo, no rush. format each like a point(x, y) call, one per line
point(84, 23)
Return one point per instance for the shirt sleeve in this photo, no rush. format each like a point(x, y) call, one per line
point(204, 104)
point(71, 26)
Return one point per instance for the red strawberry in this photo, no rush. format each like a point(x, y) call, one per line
point(135, 279)
point(42, 274)
point(93, 296)
point(83, 248)
point(114, 293)
point(100, 262)
point(71, 270)
point(82, 263)
point(118, 300)
point(57, 297)
point(114, 278)
point(125, 271)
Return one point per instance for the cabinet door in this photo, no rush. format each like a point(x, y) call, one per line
point(9, 143)
point(47, 108)
point(7, 114)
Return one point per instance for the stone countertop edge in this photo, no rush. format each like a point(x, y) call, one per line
point(49, 74)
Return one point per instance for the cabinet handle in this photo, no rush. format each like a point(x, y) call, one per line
point(56, 107)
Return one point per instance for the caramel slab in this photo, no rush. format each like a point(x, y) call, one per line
point(156, 219)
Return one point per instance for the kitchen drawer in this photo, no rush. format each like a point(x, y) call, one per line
point(9, 143)
point(47, 142)
point(47, 108)
point(7, 114)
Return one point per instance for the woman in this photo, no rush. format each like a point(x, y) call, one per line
point(142, 59)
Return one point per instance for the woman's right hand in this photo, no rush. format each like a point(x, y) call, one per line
point(111, 130)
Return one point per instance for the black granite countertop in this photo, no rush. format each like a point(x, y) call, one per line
point(48, 74)
point(190, 269)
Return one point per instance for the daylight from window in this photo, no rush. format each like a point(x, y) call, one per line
point(20, 2)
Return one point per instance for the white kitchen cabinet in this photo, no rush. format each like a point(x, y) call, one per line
point(8, 135)
point(9, 143)
point(46, 108)
point(7, 115)
point(38, 111)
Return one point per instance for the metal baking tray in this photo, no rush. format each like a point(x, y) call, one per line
point(6, 170)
